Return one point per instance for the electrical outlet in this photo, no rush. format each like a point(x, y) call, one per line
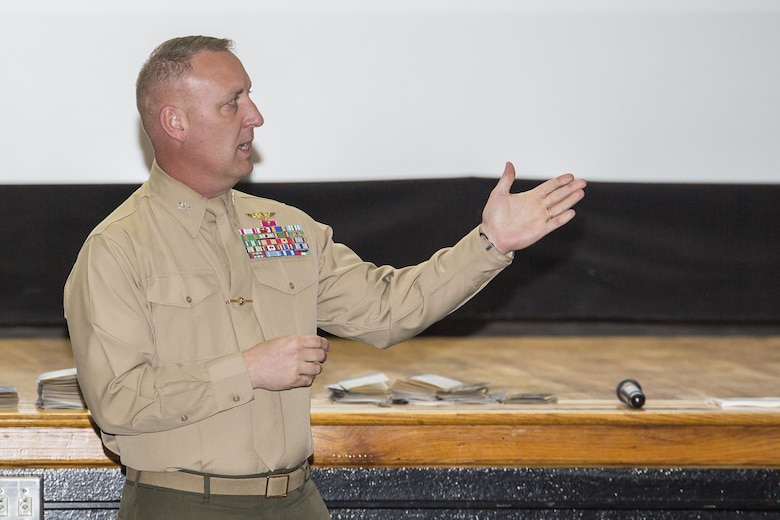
point(21, 498)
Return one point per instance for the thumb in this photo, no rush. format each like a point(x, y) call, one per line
point(507, 178)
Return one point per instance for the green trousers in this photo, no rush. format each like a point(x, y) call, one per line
point(142, 502)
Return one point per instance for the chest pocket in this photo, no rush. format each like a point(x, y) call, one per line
point(187, 312)
point(286, 294)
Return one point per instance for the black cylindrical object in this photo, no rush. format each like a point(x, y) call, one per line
point(629, 392)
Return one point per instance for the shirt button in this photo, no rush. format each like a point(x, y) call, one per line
point(236, 398)
point(189, 299)
point(292, 285)
point(185, 418)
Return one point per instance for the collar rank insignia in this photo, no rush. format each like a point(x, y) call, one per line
point(261, 215)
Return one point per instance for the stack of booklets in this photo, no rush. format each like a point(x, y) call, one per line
point(423, 389)
point(60, 389)
point(435, 389)
point(9, 398)
point(372, 389)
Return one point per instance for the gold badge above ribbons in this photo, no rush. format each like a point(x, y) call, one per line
point(261, 215)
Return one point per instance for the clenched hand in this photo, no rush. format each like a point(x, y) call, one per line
point(286, 362)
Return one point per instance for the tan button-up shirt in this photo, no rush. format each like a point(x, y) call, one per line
point(164, 297)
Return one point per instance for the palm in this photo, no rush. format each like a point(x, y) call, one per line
point(514, 221)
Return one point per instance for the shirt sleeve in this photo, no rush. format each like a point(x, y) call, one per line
point(381, 305)
point(128, 388)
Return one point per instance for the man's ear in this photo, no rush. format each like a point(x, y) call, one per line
point(174, 122)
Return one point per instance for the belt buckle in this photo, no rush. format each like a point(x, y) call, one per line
point(277, 486)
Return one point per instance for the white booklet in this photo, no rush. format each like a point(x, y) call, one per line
point(60, 389)
point(371, 388)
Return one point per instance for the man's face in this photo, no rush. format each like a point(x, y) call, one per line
point(220, 118)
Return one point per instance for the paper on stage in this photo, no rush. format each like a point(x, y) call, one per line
point(371, 388)
point(60, 389)
point(436, 389)
point(747, 402)
point(9, 397)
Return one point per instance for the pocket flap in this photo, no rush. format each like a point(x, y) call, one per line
point(184, 289)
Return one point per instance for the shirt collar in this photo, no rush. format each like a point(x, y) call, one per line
point(186, 205)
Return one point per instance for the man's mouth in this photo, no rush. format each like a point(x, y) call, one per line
point(245, 147)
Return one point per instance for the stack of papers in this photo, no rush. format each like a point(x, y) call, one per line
point(372, 389)
point(9, 397)
point(424, 389)
point(435, 389)
point(60, 389)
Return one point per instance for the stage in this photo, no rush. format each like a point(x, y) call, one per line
point(587, 436)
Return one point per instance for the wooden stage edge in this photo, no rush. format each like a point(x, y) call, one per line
point(679, 427)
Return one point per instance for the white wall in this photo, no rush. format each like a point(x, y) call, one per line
point(612, 90)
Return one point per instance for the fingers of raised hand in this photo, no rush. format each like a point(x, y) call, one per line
point(562, 193)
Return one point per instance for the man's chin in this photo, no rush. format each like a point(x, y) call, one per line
point(246, 171)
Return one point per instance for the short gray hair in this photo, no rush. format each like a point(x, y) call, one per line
point(166, 66)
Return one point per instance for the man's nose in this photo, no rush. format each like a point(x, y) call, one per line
point(254, 117)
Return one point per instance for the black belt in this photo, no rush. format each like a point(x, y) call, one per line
point(272, 486)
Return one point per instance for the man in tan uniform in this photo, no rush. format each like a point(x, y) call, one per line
point(193, 308)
